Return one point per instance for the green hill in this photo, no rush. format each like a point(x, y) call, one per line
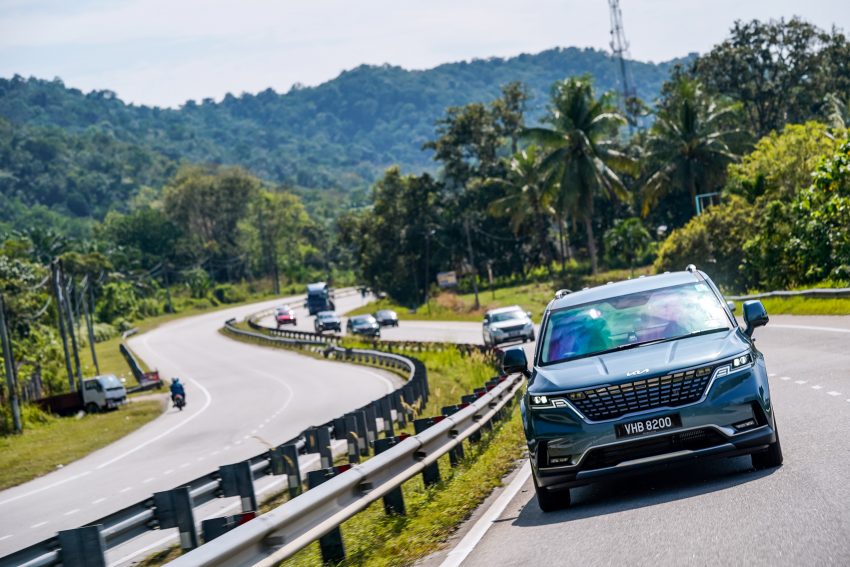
point(339, 135)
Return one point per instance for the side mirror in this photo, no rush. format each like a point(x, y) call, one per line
point(754, 316)
point(731, 305)
point(486, 322)
point(514, 361)
point(528, 313)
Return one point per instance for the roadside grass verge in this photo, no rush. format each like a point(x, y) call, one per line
point(806, 306)
point(42, 448)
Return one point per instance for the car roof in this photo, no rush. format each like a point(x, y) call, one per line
point(326, 313)
point(504, 310)
point(625, 287)
point(316, 286)
point(358, 317)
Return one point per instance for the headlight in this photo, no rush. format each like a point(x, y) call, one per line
point(498, 332)
point(539, 400)
point(528, 326)
point(742, 360)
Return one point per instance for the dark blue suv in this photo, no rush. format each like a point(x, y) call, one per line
point(643, 373)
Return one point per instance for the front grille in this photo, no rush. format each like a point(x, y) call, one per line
point(683, 440)
point(611, 402)
point(513, 329)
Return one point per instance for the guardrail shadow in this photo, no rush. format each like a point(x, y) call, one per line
point(645, 489)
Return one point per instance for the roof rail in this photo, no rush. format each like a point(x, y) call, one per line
point(691, 268)
point(562, 292)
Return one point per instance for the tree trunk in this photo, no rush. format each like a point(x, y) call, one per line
point(591, 244)
point(562, 248)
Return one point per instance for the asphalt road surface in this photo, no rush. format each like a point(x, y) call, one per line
point(715, 512)
point(241, 399)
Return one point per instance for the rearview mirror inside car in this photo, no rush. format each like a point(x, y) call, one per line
point(514, 360)
point(755, 315)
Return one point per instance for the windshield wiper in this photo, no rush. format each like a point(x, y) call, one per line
point(628, 346)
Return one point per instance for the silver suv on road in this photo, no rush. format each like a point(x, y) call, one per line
point(507, 324)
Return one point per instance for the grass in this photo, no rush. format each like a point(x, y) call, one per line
point(806, 306)
point(45, 447)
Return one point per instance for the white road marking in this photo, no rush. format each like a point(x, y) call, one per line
point(98, 501)
point(38, 525)
point(70, 512)
point(126, 489)
point(184, 465)
point(261, 426)
point(147, 480)
point(167, 432)
point(43, 488)
point(168, 472)
point(799, 381)
point(771, 374)
point(253, 432)
point(834, 393)
point(199, 459)
point(785, 378)
point(226, 448)
point(6, 537)
point(457, 555)
point(818, 387)
point(810, 328)
point(216, 452)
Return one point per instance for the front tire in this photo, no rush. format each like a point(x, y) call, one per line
point(772, 457)
point(92, 407)
point(551, 501)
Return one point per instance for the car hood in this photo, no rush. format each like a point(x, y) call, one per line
point(329, 320)
point(642, 362)
point(509, 323)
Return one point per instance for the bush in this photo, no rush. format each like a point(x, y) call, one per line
point(118, 299)
point(103, 332)
point(31, 416)
point(150, 307)
point(228, 293)
point(713, 241)
point(199, 283)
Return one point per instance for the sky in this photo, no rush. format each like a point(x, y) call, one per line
point(164, 52)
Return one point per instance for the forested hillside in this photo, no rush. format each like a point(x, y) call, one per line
point(339, 135)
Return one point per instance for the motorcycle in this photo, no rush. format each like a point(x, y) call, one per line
point(179, 401)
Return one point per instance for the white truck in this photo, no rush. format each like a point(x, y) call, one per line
point(100, 393)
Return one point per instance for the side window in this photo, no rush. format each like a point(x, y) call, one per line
point(91, 385)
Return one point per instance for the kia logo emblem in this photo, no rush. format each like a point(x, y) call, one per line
point(637, 372)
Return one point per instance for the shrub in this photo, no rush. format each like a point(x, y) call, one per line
point(117, 299)
point(103, 332)
point(227, 293)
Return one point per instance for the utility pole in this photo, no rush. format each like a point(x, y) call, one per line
point(472, 262)
point(428, 233)
point(72, 330)
point(10, 369)
point(88, 303)
point(60, 310)
point(268, 251)
point(168, 303)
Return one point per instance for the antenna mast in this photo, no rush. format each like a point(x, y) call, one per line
point(620, 52)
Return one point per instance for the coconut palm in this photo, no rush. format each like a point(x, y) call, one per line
point(528, 198)
point(689, 144)
point(580, 151)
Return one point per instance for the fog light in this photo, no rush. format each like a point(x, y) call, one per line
point(746, 424)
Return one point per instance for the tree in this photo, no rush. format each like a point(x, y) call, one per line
point(628, 239)
point(689, 144)
point(580, 150)
point(528, 200)
point(779, 70)
point(208, 204)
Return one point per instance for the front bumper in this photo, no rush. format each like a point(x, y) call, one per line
point(568, 450)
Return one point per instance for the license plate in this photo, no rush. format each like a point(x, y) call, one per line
point(650, 425)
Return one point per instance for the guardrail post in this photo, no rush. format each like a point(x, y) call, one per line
point(83, 547)
point(362, 435)
point(371, 422)
point(237, 480)
point(174, 509)
point(331, 544)
point(400, 411)
point(289, 453)
point(431, 473)
point(339, 428)
point(323, 436)
point(311, 440)
point(456, 453)
point(394, 499)
point(474, 437)
point(351, 437)
point(386, 408)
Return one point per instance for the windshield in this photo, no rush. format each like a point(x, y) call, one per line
point(632, 320)
point(507, 316)
point(326, 315)
point(109, 381)
point(363, 321)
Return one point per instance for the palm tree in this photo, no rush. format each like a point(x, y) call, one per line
point(689, 143)
point(580, 151)
point(528, 198)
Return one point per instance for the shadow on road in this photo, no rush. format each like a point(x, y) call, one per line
point(645, 489)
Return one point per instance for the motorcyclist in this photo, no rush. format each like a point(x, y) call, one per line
point(177, 388)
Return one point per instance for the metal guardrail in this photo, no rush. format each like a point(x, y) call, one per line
point(358, 430)
point(816, 292)
point(288, 528)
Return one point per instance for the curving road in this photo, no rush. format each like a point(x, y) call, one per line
point(242, 399)
point(709, 513)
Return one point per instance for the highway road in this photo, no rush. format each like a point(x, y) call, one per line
point(709, 513)
point(241, 399)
